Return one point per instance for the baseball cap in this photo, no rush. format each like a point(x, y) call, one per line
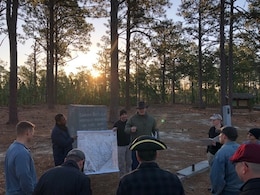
point(247, 153)
point(216, 117)
point(76, 152)
point(141, 105)
point(146, 142)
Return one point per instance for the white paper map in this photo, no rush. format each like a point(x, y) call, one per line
point(100, 148)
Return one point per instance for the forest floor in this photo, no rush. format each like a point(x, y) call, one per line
point(182, 127)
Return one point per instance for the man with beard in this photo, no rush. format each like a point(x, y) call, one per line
point(141, 123)
point(61, 140)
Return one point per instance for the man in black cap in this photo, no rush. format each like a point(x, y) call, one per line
point(148, 178)
point(253, 136)
point(140, 124)
point(223, 176)
point(66, 179)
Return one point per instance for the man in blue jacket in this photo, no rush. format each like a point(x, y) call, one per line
point(20, 174)
point(61, 140)
point(223, 176)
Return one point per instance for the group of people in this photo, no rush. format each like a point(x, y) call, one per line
point(139, 134)
point(225, 154)
point(141, 123)
point(66, 177)
point(234, 168)
point(136, 138)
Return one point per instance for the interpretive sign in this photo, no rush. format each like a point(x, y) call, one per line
point(100, 148)
point(86, 117)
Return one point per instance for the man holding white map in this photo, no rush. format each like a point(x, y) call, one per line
point(214, 131)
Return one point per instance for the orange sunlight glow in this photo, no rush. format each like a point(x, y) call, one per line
point(82, 61)
point(94, 73)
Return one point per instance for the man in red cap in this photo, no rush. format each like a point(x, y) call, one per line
point(247, 164)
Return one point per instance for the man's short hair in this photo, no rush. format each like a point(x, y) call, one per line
point(230, 132)
point(147, 155)
point(23, 126)
point(58, 117)
point(123, 111)
point(255, 167)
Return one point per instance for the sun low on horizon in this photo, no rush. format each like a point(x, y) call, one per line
point(82, 61)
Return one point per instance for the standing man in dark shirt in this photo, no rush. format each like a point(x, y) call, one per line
point(214, 131)
point(123, 141)
point(61, 140)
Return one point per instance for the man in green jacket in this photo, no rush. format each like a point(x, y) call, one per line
point(140, 124)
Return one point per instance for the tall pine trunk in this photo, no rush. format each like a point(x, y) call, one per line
point(127, 63)
point(230, 56)
point(200, 58)
point(50, 65)
point(223, 68)
point(114, 101)
point(11, 18)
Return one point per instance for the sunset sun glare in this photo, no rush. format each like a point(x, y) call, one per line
point(82, 62)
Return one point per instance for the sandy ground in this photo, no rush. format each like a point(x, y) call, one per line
point(181, 128)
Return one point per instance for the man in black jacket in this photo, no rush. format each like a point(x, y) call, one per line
point(247, 163)
point(66, 179)
point(123, 141)
point(61, 139)
point(214, 131)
